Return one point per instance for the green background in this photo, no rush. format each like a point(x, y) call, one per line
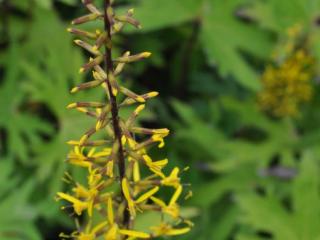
point(208, 57)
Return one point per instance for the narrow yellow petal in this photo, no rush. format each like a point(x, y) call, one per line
point(136, 171)
point(90, 209)
point(158, 202)
point(73, 142)
point(132, 233)
point(67, 197)
point(147, 195)
point(110, 211)
point(125, 189)
point(176, 195)
point(175, 172)
point(112, 233)
point(78, 205)
point(91, 152)
point(99, 227)
point(161, 163)
point(110, 166)
point(174, 232)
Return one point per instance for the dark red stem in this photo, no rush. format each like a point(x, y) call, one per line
point(114, 106)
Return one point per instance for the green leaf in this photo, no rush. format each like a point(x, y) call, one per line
point(268, 213)
point(17, 214)
point(157, 14)
point(281, 15)
point(227, 155)
point(23, 5)
point(225, 38)
point(237, 181)
point(12, 118)
point(306, 198)
point(49, 78)
point(222, 229)
point(47, 4)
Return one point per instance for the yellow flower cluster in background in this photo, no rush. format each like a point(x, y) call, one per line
point(123, 180)
point(287, 80)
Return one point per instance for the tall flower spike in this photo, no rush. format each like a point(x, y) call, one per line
point(113, 158)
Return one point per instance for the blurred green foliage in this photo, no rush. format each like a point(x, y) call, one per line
point(253, 176)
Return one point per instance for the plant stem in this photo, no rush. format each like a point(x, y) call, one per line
point(114, 107)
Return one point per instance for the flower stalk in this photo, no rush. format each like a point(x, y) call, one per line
point(138, 177)
point(108, 63)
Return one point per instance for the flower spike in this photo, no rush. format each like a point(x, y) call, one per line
point(109, 152)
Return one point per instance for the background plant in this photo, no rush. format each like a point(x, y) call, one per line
point(210, 56)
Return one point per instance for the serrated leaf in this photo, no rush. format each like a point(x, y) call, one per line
point(12, 118)
point(221, 230)
point(268, 213)
point(224, 37)
point(157, 14)
point(305, 195)
point(226, 154)
point(281, 15)
point(50, 73)
point(17, 214)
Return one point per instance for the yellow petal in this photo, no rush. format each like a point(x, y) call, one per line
point(99, 227)
point(132, 233)
point(174, 232)
point(136, 171)
point(125, 189)
point(110, 211)
point(147, 195)
point(78, 205)
point(176, 195)
point(112, 233)
point(158, 202)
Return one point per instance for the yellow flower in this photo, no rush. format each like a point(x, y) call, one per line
point(127, 195)
point(89, 234)
point(104, 153)
point(158, 137)
point(173, 179)
point(85, 197)
point(76, 157)
point(165, 229)
point(172, 208)
point(132, 203)
point(78, 206)
point(84, 236)
point(155, 166)
point(287, 80)
point(114, 232)
point(81, 192)
point(94, 178)
point(88, 196)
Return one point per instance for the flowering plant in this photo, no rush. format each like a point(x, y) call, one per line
point(122, 179)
